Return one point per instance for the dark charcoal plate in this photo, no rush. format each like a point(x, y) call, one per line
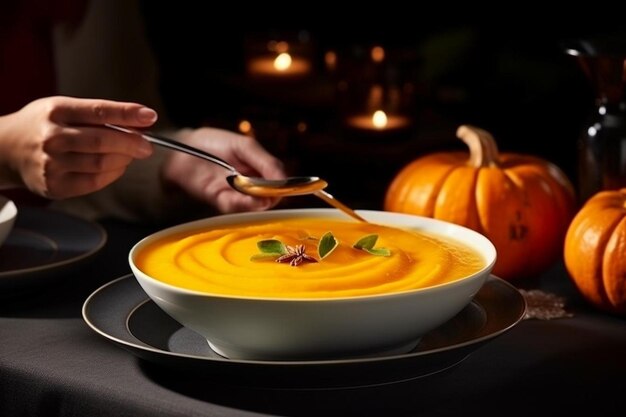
point(43, 245)
point(122, 312)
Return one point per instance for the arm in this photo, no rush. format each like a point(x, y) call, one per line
point(167, 185)
point(172, 186)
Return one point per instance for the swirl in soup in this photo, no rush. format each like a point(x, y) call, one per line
point(221, 260)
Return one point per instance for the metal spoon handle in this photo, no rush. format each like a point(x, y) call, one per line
point(176, 145)
point(328, 198)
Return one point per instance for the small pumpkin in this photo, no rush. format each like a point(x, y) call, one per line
point(595, 250)
point(522, 203)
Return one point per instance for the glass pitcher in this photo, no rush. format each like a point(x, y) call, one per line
point(602, 144)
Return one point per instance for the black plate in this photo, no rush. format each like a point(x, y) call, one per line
point(43, 245)
point(122, 312)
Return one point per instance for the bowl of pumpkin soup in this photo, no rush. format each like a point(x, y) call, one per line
point(302, 284)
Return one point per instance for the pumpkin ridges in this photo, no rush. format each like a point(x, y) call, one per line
point(417, 194)
point(585, 244)
point(431, 190)
point(564, 197)
point(614, 267)
point(556, 185)
point(397, 192)
point(429, 185)
point(548, 170)
point(545, 221)
point(589, 286)
point(560, 190)
point(595, 249)
point(606, 200)
point(455, 201)
point(499, 207)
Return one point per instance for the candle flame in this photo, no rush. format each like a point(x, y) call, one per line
point(282, 61)
point(379, 119)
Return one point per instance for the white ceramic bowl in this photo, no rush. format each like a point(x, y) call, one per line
point(8, 214)
point(253, 328)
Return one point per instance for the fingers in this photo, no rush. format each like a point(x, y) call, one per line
point(68, 110)
point(72, 184)
point(252, 155)
point(231, 201)
point(74, 174)
point(98, 141)
point(206, 182)
point(83, 160)
point(88, 163)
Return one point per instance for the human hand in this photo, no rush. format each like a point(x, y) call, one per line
point(55, 148)
point(207, 182)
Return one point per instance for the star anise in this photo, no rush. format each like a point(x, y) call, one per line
point(295, 256)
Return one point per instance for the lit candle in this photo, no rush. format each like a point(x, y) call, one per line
point(282, 62)
point(378, 121)
point(281, 65)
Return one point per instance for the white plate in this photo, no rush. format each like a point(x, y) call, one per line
point(44, 245)
point(121, 312)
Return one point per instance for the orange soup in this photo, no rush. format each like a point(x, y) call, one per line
point(223, 261)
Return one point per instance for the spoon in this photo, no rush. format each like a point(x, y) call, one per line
point(254, 186)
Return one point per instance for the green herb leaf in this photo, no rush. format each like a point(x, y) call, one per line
point(366, 242)
point(327, 244)
point(272, 246)
point(378, 251)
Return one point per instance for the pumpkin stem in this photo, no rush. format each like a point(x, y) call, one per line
point(482, 146)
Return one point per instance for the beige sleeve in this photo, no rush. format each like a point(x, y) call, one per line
point(108, 56)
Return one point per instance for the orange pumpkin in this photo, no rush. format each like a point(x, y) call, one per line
point(595, 250)
point(523, 204)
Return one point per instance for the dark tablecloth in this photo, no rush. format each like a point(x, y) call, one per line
point(52, 363)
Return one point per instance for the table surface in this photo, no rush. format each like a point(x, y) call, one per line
point(52, 363)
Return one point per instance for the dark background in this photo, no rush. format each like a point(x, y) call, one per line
point(512, 79)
